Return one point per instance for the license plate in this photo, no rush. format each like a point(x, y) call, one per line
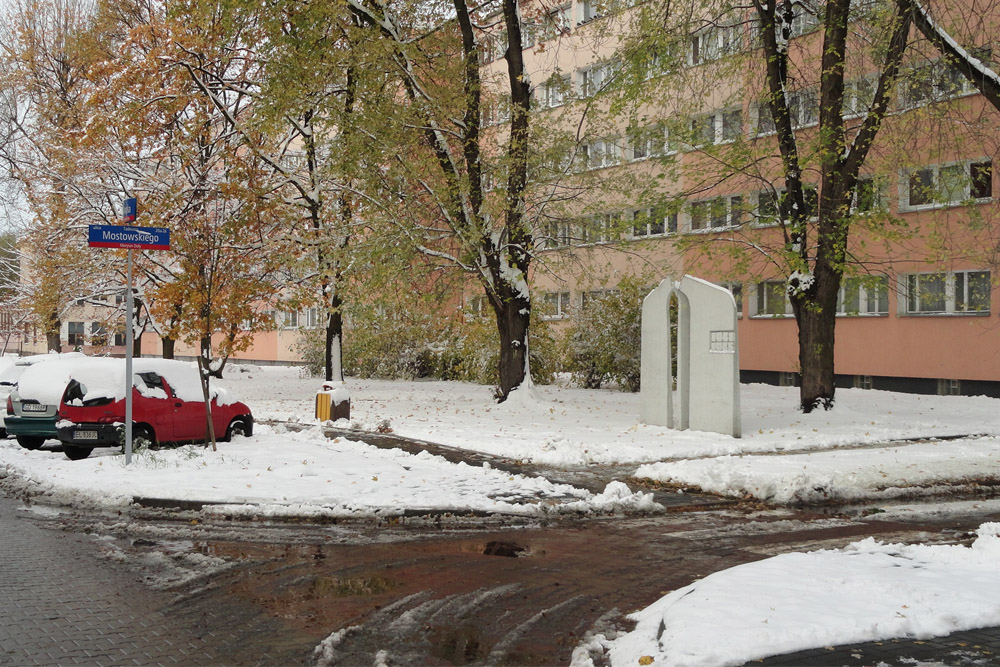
point(85, 435)
point(34, 407)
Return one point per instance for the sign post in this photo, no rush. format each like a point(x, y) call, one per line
point(139, 238)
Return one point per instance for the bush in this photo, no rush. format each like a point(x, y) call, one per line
point(604, 344)
point(404, 345)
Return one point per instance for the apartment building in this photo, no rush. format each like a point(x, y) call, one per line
point(917, 310)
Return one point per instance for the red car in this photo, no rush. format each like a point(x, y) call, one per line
point(167, 407)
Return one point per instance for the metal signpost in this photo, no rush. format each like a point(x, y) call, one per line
point(139, 238)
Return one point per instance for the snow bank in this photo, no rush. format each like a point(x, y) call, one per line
point(868, 591)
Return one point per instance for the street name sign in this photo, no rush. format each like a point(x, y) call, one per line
point(133, 238)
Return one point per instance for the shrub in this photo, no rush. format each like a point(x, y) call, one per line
point(604, 344)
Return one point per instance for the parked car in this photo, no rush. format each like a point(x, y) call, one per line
point(168, 406)
point(12, 373)
point(33, 403)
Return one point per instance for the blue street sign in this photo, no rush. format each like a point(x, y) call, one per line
point(130, 210)
point(138, 238)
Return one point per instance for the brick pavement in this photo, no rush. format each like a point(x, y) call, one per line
point(61, 604)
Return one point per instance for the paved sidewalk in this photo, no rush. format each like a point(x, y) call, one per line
point(61, 604)
point(973, 648)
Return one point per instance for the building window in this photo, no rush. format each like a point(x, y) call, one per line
point(556, 305)
point(948, 292)
point(772, 299)
point(557, 22)
point(98, 334)
point(726, 211)
point(947, 184)
point(862, 381)
point(290, 320)
point(119, 339)
point(858, 96)
point(788, 379)
point(803, 107)
point(601, 153)
point(558, 234)
point(475, 307)
point(554, 92)
point(935, 81)
point(594, 79)
point(648, 142)
point(803, 111)
point(949, 387)
point(868, 196)
point(864, 296)
point(75, 333)
point(737, 291)
point(648, 222)
point(311, 318)
point(714, 43)
point(593, 297)
point(776, 207)
point(590, 10)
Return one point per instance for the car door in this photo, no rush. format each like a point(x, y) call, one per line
point(153, 404)
point(189, 419)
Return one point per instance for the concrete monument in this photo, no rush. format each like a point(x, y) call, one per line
point(708, 361)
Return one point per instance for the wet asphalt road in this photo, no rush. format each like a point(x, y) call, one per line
point(169, 588)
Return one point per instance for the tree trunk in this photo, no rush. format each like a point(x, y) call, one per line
point(816, 336)
point(513, 320)
point(816, 316)
point(334, 337)
point(203, 375)
point(168, 347)
point(53, 343)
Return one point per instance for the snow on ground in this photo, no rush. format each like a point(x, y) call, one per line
point(561, 425)
point(786, 603)
point(867, 591)
point(282, 472)
point(842, 475)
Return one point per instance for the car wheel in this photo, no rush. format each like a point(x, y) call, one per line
point(3, 433)
point(30, 441)
point(142, 438)
point(76, 453)
point(237, 427)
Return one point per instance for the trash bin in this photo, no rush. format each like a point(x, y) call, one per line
point(333, 402)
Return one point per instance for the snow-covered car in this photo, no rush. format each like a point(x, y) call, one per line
point(168, 406)
point(31, 415)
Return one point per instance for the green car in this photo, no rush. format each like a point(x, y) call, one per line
point(33, 407)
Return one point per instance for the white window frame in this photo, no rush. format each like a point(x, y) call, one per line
point(553, 92)
point(591, 10)
point(557, 305)
point(856, 102)
point(713, 43)
point(942, 82)
point(651, 223)
point(595, 78)
point(721, 131)
point(872, 299)
point(601, 228)
point(763, 294)
point(733, 213)
point(776, 196)
point(878, 187)
point(937, 187)
point(653, 140)
point(955, 297)
point(601, 153)
point(736, 289)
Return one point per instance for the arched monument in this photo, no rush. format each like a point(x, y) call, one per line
point(708, 360)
